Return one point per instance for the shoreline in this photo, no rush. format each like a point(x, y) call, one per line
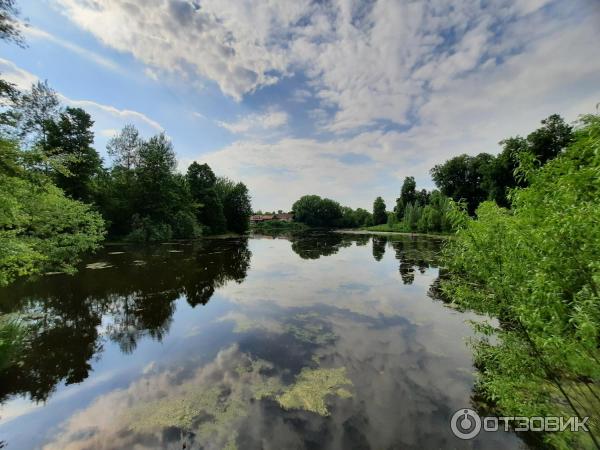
point(402, 233)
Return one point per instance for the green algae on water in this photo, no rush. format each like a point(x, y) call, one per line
point(312, 387)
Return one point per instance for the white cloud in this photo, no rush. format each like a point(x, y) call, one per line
point(458, 76)
point(124, 114)
point(272, 119)
point(230, 43)
point(368, 61)
point(14, 74)
point(37, 33)
point(107, 117)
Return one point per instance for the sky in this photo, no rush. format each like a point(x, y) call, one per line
point(339, 98)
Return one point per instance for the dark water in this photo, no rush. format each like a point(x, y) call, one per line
point(316, 341)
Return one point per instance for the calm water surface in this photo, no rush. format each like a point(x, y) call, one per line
point(317, 341)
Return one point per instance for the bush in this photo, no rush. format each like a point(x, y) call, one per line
point(537, 269)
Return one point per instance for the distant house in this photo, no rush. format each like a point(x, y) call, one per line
point(261, 217)
point(283, 217)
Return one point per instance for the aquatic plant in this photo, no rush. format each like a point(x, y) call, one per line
point(312, 387)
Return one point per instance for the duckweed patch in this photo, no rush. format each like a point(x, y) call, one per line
point(99, 265)
point(210, 410)
point(312, 387)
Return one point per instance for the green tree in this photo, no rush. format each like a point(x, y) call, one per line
point(71, 137)
point(238, 208)
point(408, 194)
point(124, 148)
point(363, 218)
point(548, 141)
point(465, 178)
point(379, 214)
point(163, 207)
point(315, 211)
point(40, 228)
point(35, 111)
point(10, 26)
point(201, 181)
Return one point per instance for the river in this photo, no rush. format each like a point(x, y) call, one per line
point(320, 340)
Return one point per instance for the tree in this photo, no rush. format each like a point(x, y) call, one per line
point(315, 211)
point(408, 195)
point(36, 110)
point(238, 208)
point(10, 26)
point(201, 182)
point(379, 214)
point(363, 218)
point(464, 177)
point(71, 138)
point(548, 141)
point(41, 229)
point(155, 170)
point(124, 148)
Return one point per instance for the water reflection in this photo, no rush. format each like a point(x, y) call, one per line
point(133, 297)
point(315, 245)
point(317, 340)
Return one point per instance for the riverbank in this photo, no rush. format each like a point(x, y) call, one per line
point(370, 231)
point(277, 226)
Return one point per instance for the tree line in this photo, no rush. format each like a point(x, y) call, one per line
point(59, 200)
point(48, 159)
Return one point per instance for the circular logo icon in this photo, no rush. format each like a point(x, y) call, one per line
point(465, 424)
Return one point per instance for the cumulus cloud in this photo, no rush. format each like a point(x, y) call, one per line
point(368, 61)
point(405, 83)
point(238, 45)
point(470, 114)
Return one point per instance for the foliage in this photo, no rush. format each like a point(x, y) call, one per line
point(124, 147)
point(464, 177)
point(379, 214)
point(35, 111)
point(315, 211)
point(40, 228)
point(10, 27)
point(355, 218)
point(408, 195)
point(71, 137)
point(237, 208)
point(201, 182)
point(475, 179)
point(536, 268)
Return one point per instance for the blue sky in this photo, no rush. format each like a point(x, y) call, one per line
point(339, 98)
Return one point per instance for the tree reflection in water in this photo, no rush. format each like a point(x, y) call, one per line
point(134, 297)
point(65, 313)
